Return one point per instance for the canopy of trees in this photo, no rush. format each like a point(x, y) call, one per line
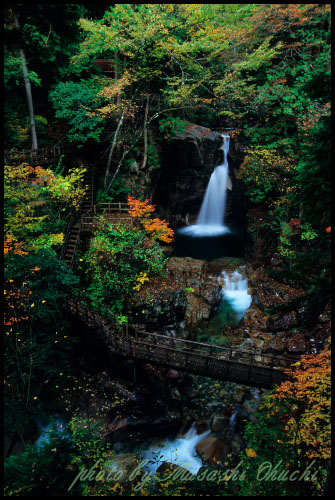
point(119, 81)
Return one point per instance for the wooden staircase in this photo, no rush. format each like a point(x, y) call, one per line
point(72, 243)
point(72, 238)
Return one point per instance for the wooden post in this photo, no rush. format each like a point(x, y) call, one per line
point(119, 206)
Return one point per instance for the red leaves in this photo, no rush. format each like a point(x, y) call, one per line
point(295, 225)
point(328, 229)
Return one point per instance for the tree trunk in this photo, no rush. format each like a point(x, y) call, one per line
point(28, 92)
point(112, 148)
point(145, 133)
point(116, 75)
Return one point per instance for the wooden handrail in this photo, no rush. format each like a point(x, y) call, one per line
point(209, 353)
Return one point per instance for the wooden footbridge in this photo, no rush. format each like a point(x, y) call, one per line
point(229, 364)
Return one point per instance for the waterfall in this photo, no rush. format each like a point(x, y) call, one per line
point(235, 291)
point(181, 452)
point(210, 221)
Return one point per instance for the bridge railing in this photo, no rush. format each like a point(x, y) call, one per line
point(211, 350)
point(42, 156)
point(90, 223)
point(112, 207)
point(154, 341)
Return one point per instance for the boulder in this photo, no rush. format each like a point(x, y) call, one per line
point(296, 343)
point(239, 396)
point(212, 449)
point(175, 394)
point(277, 345)
point(283, 321)
point(173, 374)
point(247, 345)
point(255, 319)
point(237, 444)
point(121, 465)
point(219, 422)
point(201, 426)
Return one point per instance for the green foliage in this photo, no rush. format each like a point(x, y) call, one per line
point(37, 344)
point(117, 191)
point(153, 157)
point(267, 173)
point(38, 202)
point(40, 471)
point(76, 103)
point(171, 126)
point(115, 260)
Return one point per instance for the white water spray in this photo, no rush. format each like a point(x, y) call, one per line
point(210, 221)
point(181, 452)
point(235, 291)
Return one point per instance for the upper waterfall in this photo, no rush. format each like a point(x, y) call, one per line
point(210, 221)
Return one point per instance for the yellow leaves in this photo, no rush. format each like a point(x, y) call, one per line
point(307, 397)
point(141, 279)
point(250, 452)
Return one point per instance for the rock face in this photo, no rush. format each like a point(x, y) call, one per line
point(188, 161)
point(213, 449)
point(200, 281)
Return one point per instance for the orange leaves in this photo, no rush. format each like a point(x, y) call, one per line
point(328, 229)
point(157, 228)
point(139, 208)
point(15, 299)
point(11, 246)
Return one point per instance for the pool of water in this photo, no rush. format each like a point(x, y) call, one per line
point(230, 244)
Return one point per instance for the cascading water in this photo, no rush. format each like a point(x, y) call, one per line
point(235, 292)
point(210, 221)
point(181, 452)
